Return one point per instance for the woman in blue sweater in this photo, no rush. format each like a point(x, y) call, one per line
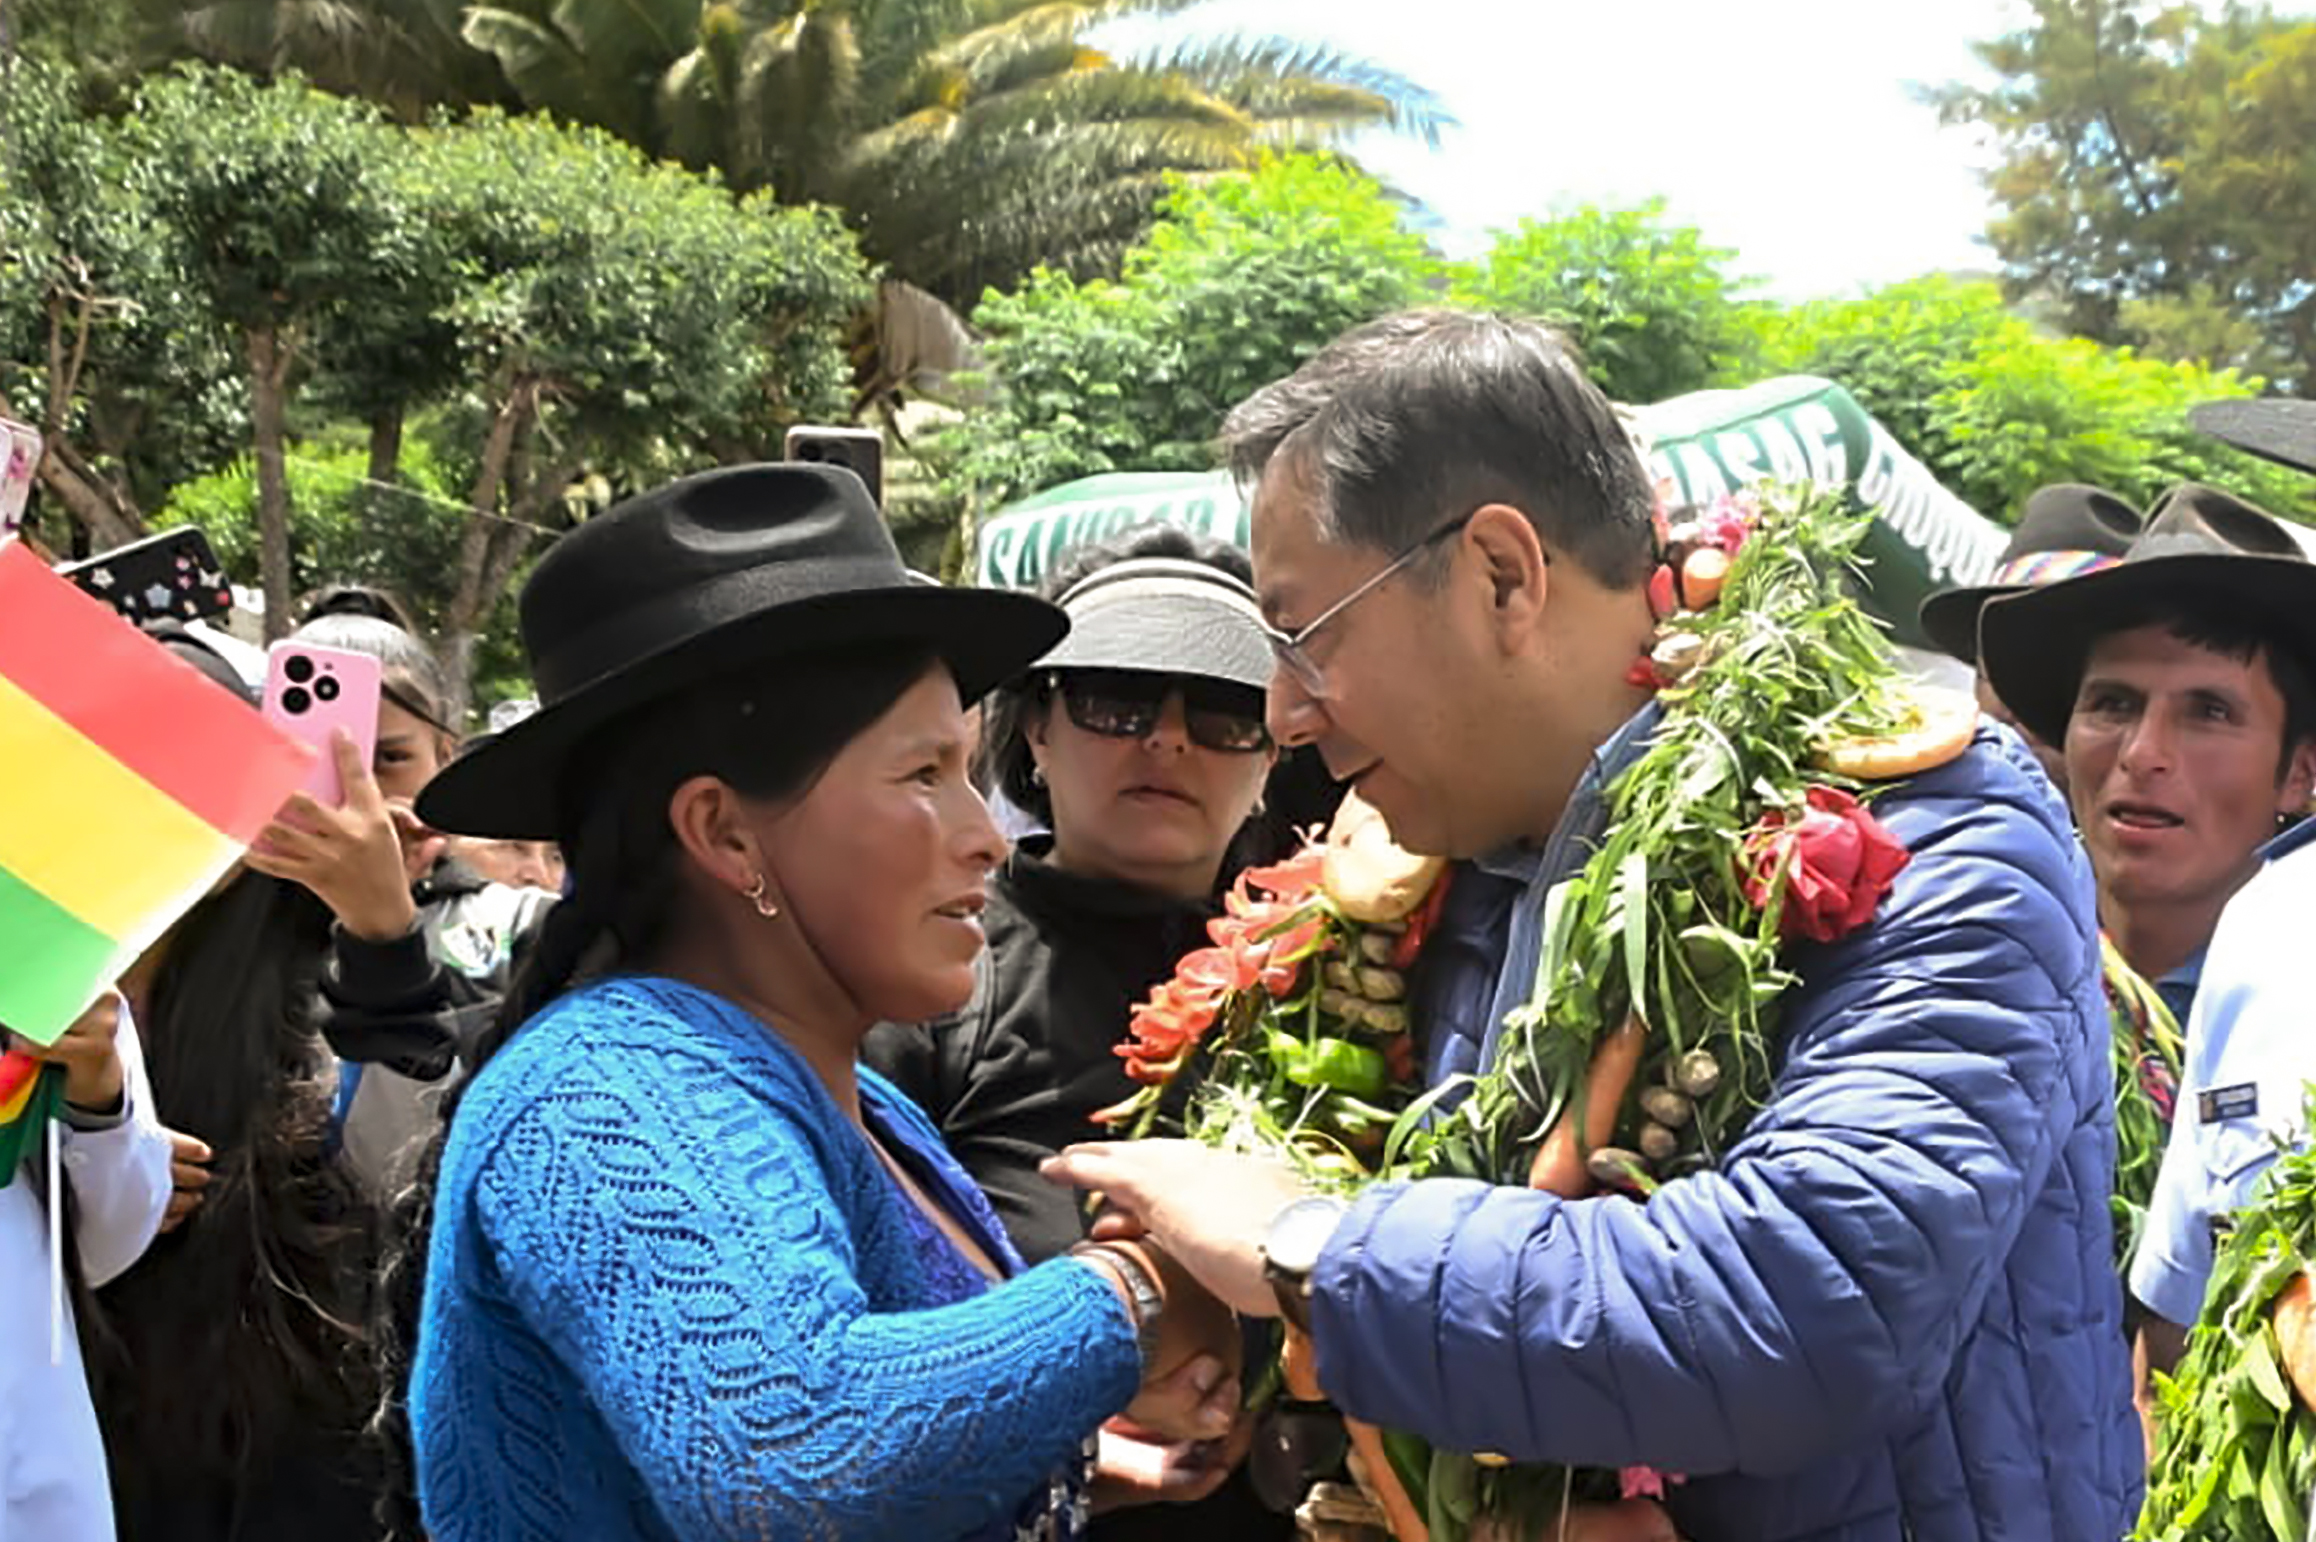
point(691, 1272)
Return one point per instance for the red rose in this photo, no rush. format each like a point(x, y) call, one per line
point(1837, 860)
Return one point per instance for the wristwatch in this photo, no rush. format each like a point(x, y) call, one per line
point(1291, 1251)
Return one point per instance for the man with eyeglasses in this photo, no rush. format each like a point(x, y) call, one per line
point(1890, 1311)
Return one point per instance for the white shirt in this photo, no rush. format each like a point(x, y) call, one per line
point(52, 1463)
point(2251, 1051)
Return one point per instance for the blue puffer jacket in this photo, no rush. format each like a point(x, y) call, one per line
point(1891, 1313)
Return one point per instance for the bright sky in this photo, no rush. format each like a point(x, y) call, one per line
point(1782, 128)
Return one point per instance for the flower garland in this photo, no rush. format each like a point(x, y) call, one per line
point(1649, 1038)
point(1315, 1058)
point(2235, 1455)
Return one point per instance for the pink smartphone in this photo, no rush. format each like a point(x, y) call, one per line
point(19, 462)
point(312, 691)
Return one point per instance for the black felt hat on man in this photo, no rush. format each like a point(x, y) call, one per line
point(701, 578)
point(2067, 530)
point(2198, 540)
point(2281, 431)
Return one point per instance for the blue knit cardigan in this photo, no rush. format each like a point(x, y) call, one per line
point(672, 1293)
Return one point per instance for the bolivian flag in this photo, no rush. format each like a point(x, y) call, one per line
point(129, 785)
point(29, 1096)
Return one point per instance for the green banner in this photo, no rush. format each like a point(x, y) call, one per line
point(1018, 546)
point(1712, 442)
point(1804, 429)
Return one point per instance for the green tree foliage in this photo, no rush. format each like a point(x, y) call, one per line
point(1240, 280)
point(233, 266)
point(348, 531)
point(1997, 408)
point(2157, 152)
point(274, 197)
point(967, 140)
point(1654, 308)
point(607, 314)
point(93, 39)
point(103, 345)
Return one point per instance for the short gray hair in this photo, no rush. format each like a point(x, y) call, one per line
point(1408, 421)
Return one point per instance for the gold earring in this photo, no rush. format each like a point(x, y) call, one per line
point(754, 895)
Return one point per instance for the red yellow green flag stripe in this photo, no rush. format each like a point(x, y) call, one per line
point(29, 1095)
point(133, 784)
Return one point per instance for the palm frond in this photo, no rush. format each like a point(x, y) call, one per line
point(314, 36)
point(798, 102)
point(1086, 97)
point(1255, 71)
point(545, 67)
point(697, 98)
point(631, 37)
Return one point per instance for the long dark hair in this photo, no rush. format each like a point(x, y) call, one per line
point(244, 1325)
point(769, 734)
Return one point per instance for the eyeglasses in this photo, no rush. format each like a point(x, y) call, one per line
point(1289, 650)
point(1127, 704)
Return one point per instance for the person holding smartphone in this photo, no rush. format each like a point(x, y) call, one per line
point(421, 944)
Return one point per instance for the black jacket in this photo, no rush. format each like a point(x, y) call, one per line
point(1014, 1076)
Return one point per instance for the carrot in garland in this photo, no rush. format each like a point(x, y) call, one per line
point(1560, 1165)
point(1703, 572)
point(1381, 1481)
point(2294, 1315)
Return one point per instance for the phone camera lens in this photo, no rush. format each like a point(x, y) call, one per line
point(295, 700)
point(299, 668)
point(326, 688)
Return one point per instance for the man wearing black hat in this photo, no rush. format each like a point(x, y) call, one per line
point(2249, 1053)
point(2066, 531)
point(2180, 684)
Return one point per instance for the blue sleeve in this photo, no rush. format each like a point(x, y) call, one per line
point(705, 1295)
point(1827, 1269)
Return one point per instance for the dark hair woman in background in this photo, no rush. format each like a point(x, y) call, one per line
point(230, 1373)
point(421, 954)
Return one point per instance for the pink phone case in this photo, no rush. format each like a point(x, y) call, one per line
point(19, 461)
point(312, 691)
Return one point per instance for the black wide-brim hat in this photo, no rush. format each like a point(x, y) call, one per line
point(2065, 531)
point(2199, 542)
point(2281, 431)
point(702, 578)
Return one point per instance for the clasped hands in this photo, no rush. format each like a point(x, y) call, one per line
point(1208, 1213)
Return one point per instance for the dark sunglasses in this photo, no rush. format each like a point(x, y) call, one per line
point(1127, 704)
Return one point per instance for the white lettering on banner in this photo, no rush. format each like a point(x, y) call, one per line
point(1787, 463)
point(1957, 549)
point(1740, 454)
point(996, 554)
point(1020, 550)
point(1820, 433)
point(1700, 478)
